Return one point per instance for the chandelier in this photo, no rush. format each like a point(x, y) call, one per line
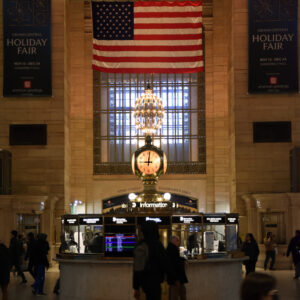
point(148, 112)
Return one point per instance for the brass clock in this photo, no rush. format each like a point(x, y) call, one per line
point(149, 161)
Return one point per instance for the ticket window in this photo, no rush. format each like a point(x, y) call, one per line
point(189, 230)
point(70, 238)
point(214, 234)
point(90, 234)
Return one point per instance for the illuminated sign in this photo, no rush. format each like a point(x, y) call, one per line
point(156, 220)
point(186, 219)
point(150, 204)
point(232, 219)
point(214, 219)
point(119, 221)
point(90, 220)
point(71, 221)
point(160, 220)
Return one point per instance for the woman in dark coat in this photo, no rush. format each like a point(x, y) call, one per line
point(250, 248)
point(4, 270)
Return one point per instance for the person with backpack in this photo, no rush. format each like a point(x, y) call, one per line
point(16, 252)
point(150, 263)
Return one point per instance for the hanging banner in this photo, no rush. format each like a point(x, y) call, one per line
point(27, 48)
point(273, 51)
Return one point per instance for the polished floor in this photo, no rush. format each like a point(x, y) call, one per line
point(289, 289)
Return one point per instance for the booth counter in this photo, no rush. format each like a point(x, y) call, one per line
point(108, 279)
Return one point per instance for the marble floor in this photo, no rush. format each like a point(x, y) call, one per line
point(289, 289)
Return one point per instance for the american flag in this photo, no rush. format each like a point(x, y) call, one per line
point(147, 37)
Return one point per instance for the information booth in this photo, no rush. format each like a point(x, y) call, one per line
point(98, 259)
point(201, 235)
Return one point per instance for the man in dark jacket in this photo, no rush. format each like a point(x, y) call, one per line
point(41, 249)
point(4, 270)
point(294, 247)
point(250, 248)
point(150, 263)
point(16, 251)
point(30, 253)
point(177, 288)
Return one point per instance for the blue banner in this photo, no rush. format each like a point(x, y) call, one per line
point(27, 48)
point(273, 46)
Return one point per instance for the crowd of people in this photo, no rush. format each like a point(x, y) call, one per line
point(31, 252)
point(250, 248)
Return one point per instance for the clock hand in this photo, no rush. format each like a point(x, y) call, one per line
point(149, 159)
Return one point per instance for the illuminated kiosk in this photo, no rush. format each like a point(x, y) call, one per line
point(98, 262)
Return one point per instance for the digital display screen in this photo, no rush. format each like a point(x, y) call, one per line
point(119, 245)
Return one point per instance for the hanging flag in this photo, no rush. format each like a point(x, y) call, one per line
point(147, 37)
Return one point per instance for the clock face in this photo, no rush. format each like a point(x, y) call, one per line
point(148, 162)
point(133, 163)
point(165, 163)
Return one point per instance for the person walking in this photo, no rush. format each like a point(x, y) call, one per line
point(4, 270)
point(294, 247)
point(30, 253)
point(270, 246)
point(41, 250)
point(177, 288)
point(250, 248)
point(150, 263)
point(16, 251)
point(259, 286)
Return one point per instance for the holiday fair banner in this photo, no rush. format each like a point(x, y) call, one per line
point(27, 48)
point(273, 49)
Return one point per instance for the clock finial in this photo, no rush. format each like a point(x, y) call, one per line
point(148, 140)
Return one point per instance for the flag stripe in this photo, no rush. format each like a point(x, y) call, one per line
point(147, 48)
point(146, 59)
point(167, 25)
point(167, 4)
point(173, 9)
point(168, 37)
point(181, 31)
point(116, 43)
point(167, 14)
point(146, 53)
point(195, 64)
point(167, 20)
point(148, 70)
